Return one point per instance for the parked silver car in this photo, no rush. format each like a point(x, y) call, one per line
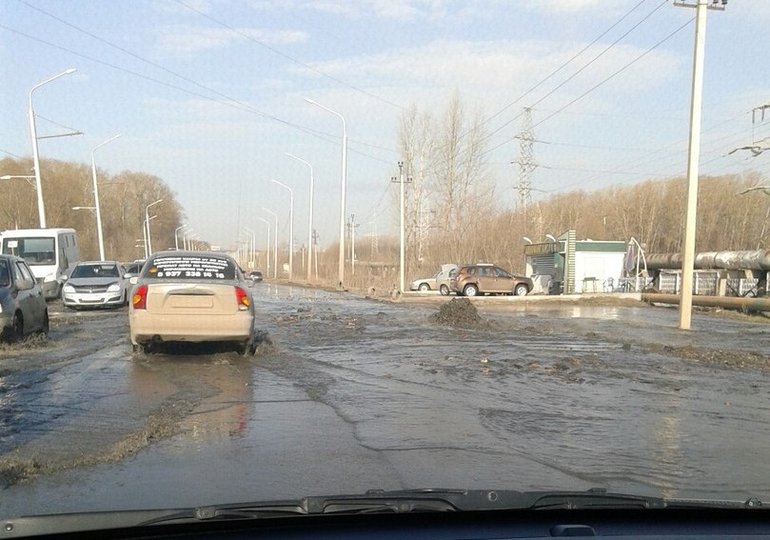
point(22, 306)
point(438, 282)
point(95, 284)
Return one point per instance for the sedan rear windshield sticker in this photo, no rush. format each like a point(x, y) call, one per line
point(191, 268)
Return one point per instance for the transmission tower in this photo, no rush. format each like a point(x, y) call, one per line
point(526, 161)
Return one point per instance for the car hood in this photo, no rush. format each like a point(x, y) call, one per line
point(93, 282)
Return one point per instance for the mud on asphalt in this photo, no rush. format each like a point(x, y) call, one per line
point(165, 389)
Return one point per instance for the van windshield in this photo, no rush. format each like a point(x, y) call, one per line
point(35, 251)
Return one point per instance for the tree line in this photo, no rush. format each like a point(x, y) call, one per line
point(452, 214)
point(122, 198)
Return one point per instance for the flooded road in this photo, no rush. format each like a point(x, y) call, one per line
point(350, 394)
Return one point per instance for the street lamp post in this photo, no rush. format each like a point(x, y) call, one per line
point(184, 238)
point(99, 233)
point(267, 248)
point(35, 154)
point(252, 246)
point(291, 225)
point(191, 243)
point(147, 222)
point(144, 239)
point(309, 216)
point(275, 242)
point(176, 238)
point(144, 231)
point(343, 188)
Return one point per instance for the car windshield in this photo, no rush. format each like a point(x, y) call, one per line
point(95, 271)
point(587, 181)
point(35, 251)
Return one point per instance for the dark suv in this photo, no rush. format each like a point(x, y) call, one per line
point(485, 278)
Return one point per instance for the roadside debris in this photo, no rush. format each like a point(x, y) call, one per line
point(457, 312)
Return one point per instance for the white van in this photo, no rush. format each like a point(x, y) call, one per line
point(50, 253)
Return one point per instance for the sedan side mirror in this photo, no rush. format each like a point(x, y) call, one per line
point(133, 280)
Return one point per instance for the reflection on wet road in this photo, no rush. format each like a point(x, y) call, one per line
point(351, 394)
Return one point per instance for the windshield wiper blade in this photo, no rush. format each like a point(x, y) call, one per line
point(374, 501)
point(592, 498)
point(371, 502)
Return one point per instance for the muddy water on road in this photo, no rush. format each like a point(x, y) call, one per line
point(573, 397)
point(350, 394)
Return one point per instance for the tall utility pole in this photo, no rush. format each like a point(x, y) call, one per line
point(353, 226)
point(696, 99)
point(373, 234)
point(315, 255)
point(343, 191)
point(526, 161)
point(402, 250)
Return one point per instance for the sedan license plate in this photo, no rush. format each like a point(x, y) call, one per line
point(191, 301)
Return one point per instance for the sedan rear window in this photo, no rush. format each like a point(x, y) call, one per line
point(190, 267)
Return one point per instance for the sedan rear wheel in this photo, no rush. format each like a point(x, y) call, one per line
point(444, 290)
point(423, 287)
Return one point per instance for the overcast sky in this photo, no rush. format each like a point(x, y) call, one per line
point(209, 94)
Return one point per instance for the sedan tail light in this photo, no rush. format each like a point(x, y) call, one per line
point(242, 298)
point(139, 298)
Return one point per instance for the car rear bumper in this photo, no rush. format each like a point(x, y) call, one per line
point(146, 327)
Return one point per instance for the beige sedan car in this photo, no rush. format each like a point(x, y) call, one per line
point(191, 296)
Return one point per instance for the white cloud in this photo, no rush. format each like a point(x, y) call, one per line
point(401, 10)
point(204, 6)
point(182, 39)
point(500, 67)
point(558, 7)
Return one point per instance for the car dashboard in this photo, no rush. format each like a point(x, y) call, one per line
point(715, 524)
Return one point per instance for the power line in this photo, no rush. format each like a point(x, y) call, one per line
point(618, 72)
point(585, 66)
point(183, 77)
point(565, 64)
point(487, 136)
point(288, 57)
point(6, 152)
point(647, 157)
point(602, 82)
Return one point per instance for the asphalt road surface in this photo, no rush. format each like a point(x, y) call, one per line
point(348, 394)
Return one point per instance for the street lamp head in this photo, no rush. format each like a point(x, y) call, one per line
point(311, 101)
point(69, 70)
